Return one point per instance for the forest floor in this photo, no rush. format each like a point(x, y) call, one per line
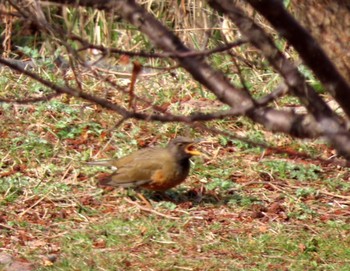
point(242, 207)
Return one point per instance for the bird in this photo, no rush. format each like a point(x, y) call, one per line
point(152, 168)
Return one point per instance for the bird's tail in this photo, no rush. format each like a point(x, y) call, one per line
point(102, 163)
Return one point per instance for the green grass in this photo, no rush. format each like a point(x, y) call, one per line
point(238, 210)
point(242, 208)
point(155, 243)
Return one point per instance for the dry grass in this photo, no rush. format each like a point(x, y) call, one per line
point(242, 208)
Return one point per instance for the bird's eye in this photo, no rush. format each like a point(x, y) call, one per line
point(190, 147)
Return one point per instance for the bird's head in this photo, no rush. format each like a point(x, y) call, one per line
point(183, 147)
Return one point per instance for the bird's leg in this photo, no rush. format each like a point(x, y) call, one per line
point(138, 194)
point(144, 200)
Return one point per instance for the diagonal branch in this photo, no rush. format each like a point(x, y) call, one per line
point(214, 80)
point(330, 124)
point(309, 50)
point(31, 100)
point(87, 45)
point(164, 117)
point(275, 120)
point(265, 113)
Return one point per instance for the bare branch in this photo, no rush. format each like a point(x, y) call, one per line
point(31, 100)
point(227, 46)
point(164, 117)
point(274, 149)
point(276, 93)
point(330, 124)
point(291, 120)
point(309, 50)
point(166, 40)
point(66, 89)
point(215, 81)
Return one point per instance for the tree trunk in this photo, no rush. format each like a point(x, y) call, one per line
point(329, 23)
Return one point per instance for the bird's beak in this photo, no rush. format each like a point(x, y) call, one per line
point(190, 149)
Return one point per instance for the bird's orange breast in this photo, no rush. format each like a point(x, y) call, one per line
point(162, 180)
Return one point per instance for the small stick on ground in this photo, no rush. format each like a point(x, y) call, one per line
point(143, 208)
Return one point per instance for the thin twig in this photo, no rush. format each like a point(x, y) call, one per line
point(6, 227)
point(227, 46)
point(31, 100)
point(34, 204)
point(150, 210)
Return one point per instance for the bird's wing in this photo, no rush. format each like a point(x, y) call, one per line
point(103, 163)
point(137, 156)
point(137, 171)
point(141, 154)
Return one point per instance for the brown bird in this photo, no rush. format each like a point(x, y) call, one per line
point(157, 168)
